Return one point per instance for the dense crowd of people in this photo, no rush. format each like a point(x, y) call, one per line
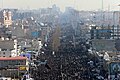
point(72, 61)
point(69, 64)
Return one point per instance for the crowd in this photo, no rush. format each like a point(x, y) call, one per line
point(69, 64)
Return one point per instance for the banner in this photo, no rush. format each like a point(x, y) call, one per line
point(22, 68)
point(114, 67)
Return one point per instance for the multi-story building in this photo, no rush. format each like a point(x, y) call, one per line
point(103, 32)
point(6, 17)
point(116, 18)
point(8, 48)
point(13, 66)
point(116, 32)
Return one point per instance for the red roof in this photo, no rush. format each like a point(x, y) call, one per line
point(13, 58)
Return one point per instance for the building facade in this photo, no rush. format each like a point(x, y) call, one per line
point(8, 48)
point(13, 66)
point(6, 17)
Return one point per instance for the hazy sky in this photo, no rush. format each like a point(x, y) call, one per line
point(78, 4)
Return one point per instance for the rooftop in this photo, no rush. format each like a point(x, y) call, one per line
point(13, 58)
point(7, 44)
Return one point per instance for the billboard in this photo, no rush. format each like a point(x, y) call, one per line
point(22, 68)
point(114, 68)
point(28, 55)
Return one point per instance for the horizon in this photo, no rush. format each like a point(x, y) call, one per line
point(86, 5)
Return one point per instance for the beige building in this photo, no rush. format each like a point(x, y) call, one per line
point(6, 18)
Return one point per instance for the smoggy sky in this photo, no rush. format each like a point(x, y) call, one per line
point(77, 4)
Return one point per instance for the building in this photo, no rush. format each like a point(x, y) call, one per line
point(116, 18)
point(105, 32)
point(6, 17)
point(7, 47)
point(1, 17)
point(13, 66)
point(102, 32)
point(116, 32)
point(18, 32)
point(103, 45)
point(24, 44)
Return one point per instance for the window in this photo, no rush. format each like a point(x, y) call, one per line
point(3, 49)
point(11, 49)
point(23, 55)
point(4, 53)
point(5, 18)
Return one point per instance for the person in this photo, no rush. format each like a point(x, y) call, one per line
point(119, 75)
point(116, 77)
point(24, 78)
